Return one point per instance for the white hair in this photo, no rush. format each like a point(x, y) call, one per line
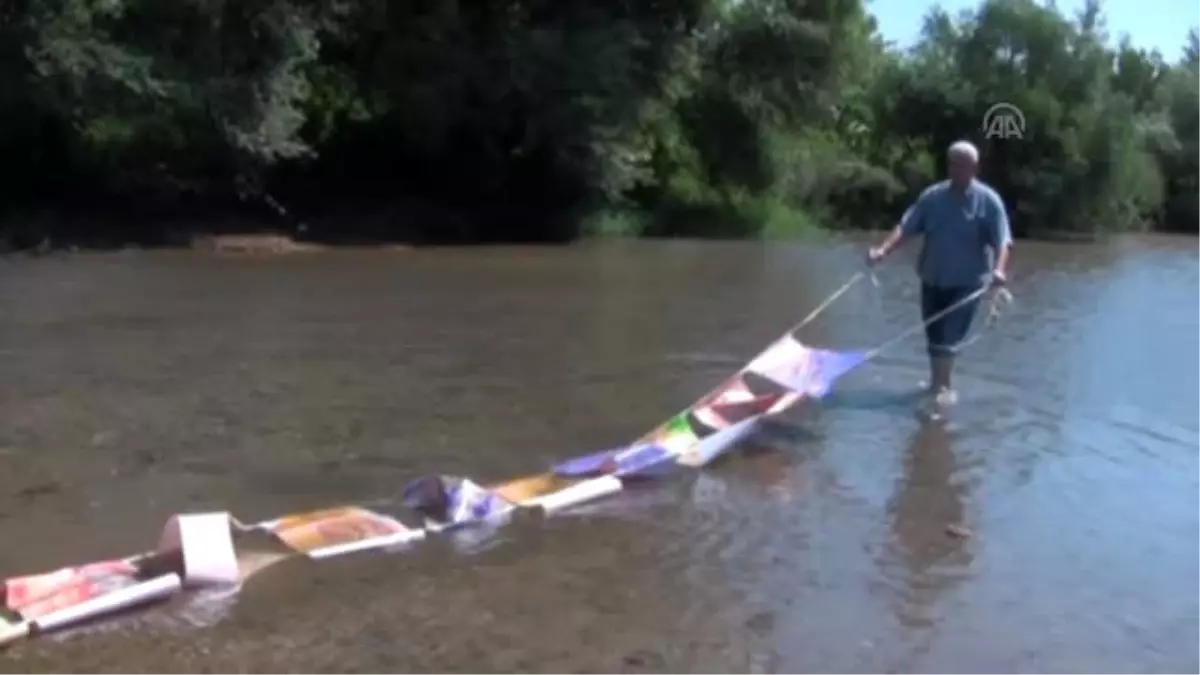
point(964, 149)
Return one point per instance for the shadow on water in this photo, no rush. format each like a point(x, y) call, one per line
point(772, 470)
point(772, 433)
point(872, 400)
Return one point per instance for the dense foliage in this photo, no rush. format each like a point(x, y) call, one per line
point(529, 119)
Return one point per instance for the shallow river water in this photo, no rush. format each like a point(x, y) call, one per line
point(137, 385)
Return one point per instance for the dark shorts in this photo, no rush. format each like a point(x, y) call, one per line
point(943, 336)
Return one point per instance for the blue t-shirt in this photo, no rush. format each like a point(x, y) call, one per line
point(962, 232)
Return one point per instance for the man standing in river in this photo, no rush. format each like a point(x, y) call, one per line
point(966, 246)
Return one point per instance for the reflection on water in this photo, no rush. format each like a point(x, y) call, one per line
point(139, 385)
point(929, 502)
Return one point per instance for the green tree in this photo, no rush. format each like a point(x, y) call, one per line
point(447, 121)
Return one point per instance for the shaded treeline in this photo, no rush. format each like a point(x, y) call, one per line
point(434, 120)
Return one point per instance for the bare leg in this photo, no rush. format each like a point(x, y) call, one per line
point(939, 374)
point(943, 390)
point(941, 368)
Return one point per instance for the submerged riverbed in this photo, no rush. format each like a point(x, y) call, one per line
point(137, 385)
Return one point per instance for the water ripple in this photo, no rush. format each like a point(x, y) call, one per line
point(1050, 524)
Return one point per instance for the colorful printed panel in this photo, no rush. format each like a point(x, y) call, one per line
point(804, 370)
point(590, 465)
point(676, 435)
point(733, 403)
point(309, 532)
point(642, 459)
point(525, 488)
point(37, 595)
point(469, 502)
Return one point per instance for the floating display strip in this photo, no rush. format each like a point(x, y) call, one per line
point(212, 549)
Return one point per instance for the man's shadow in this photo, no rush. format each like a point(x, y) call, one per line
point(798, 428)
point(873, 400)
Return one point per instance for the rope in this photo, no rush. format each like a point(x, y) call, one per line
point(925, 322)
point(858, 276)
point(1002, 297)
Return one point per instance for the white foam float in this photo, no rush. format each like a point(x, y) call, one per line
point(582, 492)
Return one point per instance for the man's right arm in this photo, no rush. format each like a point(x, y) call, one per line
point(910, 225)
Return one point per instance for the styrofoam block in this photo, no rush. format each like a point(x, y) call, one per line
point(367, 544)
point(11, 632)
point(206, 542)
point(576, 494)
point(154, 589)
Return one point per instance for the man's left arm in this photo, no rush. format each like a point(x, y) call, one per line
point(1001, 239)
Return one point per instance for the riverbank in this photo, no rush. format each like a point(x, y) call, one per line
point(274, 244)
point(265, 227)
point(233, 233)
point(707, 119)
